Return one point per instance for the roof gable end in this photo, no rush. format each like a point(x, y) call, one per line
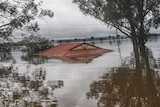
point(84, 46)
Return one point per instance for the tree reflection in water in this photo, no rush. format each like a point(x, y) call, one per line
point(5, 56)
point(135, 84)
point(5, 53)
point(28, 89)
point(34, 59)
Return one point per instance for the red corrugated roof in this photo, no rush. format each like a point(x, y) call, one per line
point(86, 52)
point(66, 50)
point(59, 50)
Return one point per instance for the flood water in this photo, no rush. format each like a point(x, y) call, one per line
point(111, 80)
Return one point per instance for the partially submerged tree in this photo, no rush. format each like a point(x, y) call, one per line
point(35, 44)
point(18, 14)
point(133, 18)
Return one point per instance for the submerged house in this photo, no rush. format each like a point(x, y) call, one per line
point(74, 52)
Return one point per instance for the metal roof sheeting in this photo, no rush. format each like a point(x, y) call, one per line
point(67, 50)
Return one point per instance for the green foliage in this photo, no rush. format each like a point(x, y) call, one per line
point(134, 18)
point(35, 44)
point(18, 14)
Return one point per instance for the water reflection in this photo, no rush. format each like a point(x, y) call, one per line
point(27, 89)
point(78, 59)
point(34, 59)
point(135, 84)
point(5, 53)
point(5, 56)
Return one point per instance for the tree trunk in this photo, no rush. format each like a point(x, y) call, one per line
point(136, 52)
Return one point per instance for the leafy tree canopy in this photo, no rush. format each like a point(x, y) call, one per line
point(19, 14)
point(35, 44)
point(133, 18)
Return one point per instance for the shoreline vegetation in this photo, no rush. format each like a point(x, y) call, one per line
point(98, 38)
point(89, 39)
point(52, 42)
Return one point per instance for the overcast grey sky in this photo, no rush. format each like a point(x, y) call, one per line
point(69, 22)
